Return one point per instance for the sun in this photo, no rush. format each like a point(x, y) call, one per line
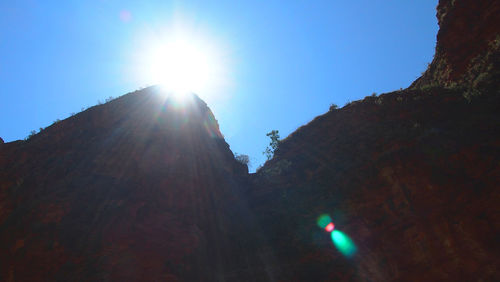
point(182, 59)
point(181, 65)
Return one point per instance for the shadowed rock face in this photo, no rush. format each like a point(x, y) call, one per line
point(412, 179)
point(137, 189)
point(468, 45)
point(410, 176)
point(145, 189)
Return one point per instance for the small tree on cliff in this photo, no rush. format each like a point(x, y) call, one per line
point(241, 158)
point(273, 145)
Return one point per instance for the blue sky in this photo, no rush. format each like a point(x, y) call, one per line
point(284, 62)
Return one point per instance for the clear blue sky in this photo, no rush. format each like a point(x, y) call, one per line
point(286, 61)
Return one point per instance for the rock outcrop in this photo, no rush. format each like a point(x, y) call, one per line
point(140, 188)
point(410, 176)
point(468, 46)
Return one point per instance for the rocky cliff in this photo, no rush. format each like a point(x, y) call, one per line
point(468, 46)
point(411, 177)
point(140, 188)
point(144, 188)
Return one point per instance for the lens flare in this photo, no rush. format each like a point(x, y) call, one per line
point(330, 227)
point(343, 243)
point(324, 220)
point(125, 16)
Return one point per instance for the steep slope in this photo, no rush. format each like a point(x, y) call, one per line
point(468, 44)
point(411, 177)
point(141, 188)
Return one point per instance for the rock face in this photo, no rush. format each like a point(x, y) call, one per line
point(410, 176)
point(136, 189)
point(468, 45)
point(144, 188)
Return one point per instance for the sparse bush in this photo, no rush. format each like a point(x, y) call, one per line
point(273, 145)
point(480, 78)
point(374, 94)
point(32, 133)
point(241, 158)
point(452, 85)
point(470, 93)
point(109, 99)
point(259, 168)
point(278, 168)
point(428, 87)
point(333, 107)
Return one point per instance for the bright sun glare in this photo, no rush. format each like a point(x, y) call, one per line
point(181, 64)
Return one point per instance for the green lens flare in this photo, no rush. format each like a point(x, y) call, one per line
point(324, 220)
point(343, 243)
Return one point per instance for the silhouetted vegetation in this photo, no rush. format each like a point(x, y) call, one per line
point(259, 168)
point(273, 145)
point(99, 102)
point(32, 133)
point(242, 158)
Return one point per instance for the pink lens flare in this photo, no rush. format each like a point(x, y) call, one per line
point(330, 227)
point(125, 16)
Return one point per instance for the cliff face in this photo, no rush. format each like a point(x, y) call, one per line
point(468, 46)
point(140, 188)
point(411, 177)
point(145, 188)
